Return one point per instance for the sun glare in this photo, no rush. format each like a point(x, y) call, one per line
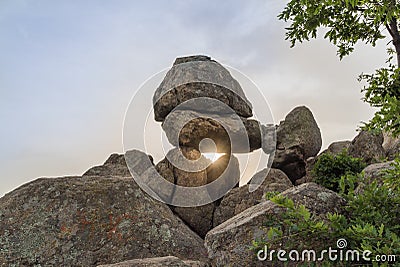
point(213, 156)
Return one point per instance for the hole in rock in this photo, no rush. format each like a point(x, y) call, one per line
point(208, 149)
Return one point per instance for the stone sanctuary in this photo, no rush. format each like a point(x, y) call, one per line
point(104, 218)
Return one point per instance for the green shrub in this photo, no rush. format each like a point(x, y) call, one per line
point(329, 168)
point(371, 221)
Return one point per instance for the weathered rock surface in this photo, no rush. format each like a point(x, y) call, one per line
point(391, 146)
point(300, 129)
point(337, 147)
point(368, 146)
point(200, 218)
point(225, 130)
point(116, 165)
point(219, 167)
point(291, 161)
point(90, 220)
point(275, 181)
point(376, 171)
point(225, 174)
point(298, 138)
point(185, 169)
point(168, 261)
point(239, 199)
point(166, 170)
point(228, 243)
point(198, 76)
point(268, 135)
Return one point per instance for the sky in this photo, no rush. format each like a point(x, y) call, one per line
point(70, 68)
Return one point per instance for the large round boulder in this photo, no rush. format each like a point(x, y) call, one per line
point(367, 146)
point(298, 138)
point(228, 131)
point(198, 76)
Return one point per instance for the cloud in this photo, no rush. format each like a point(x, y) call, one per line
point(70, 68)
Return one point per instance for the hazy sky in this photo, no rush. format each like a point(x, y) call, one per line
point(69, 69)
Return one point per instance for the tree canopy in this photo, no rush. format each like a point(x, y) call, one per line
point(347, 22)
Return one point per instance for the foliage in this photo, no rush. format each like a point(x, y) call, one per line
point(345, 23)
point(329, 168)
point(383, 92)
point(369, 223)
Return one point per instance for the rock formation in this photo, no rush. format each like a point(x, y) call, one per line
point(199, 99)
point(106, 218)
point(298, 138)
point(368, 146)
point(206, 78)
point(203, 109)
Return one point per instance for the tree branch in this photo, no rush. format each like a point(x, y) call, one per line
point(389, 30)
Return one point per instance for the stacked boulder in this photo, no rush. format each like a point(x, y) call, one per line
point(199, 94)
point(298, 139)
point(203, 109)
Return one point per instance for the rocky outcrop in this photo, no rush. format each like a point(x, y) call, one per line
point(115, 214)
point(203, 109)
point(90, 220)
point(199, 218)
point(228, 243)
point(367, 146)
point(116, 165)
point(298, 138)
point(239, 199)
point(168, 261)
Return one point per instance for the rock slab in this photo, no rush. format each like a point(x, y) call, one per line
point(87, 221)
point(240, 199)
point(228, 243)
